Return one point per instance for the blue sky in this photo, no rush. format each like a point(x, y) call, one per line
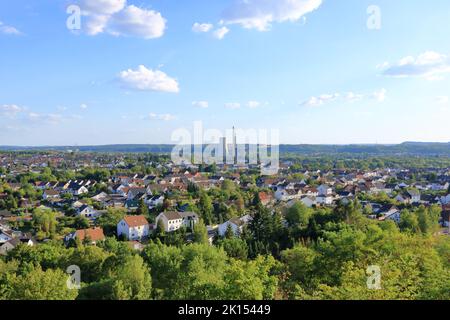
point(138, 70)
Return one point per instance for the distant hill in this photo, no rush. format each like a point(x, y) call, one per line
point(406, 148)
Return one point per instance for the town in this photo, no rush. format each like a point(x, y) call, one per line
point(74, 199)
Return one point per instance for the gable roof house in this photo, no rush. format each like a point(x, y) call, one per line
point(155, 201)
point(135, 192)
point(445, 217)
point(77, 188)
point(13, 243)
point(5, 236)
point(415, 195)
point(133, 227)
point(324, 190)
point(93, 234)
point(132, 204)
point(287, 194)
point(392, 214)
point(266, 198)
point(445, 200)
point(408, 196)
point(173, 220)
point(88, 212)
point(236, 224)
point(50, 194)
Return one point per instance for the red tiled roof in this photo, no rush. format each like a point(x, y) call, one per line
point(135, 221)
point(94, 234)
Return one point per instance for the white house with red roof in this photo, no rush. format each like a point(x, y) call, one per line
point(133, 227)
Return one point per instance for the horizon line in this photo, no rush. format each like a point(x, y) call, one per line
point(174, 144)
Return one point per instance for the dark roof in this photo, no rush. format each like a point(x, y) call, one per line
point(5, 214)
point(172, 215)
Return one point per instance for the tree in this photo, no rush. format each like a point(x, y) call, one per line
point(250, 280)
point(160, 231)
point(408, 221)
point(206, 208)
point(298, 214)
point(200, 233)
point(81, 222)
point(165, 266)
point(424, 220)
point(229, 233)
point(143, 208)
point(37, 284)
point(300, 263)
point(131, 280)
point(228, 186)
point(90, 259)
point(45, 223)
point(110, 220)
point(234, 247)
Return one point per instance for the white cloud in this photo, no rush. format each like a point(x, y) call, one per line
point(320, 100)
point(101, 7)
point(9, 30)
point(34, 115)
point(200, 104)
point(133, 21)
point(260, 14)
point(315, 101)
point(116, 18)
point(22, 117)
point(83, 106)
point(253, 104)
point(51, 118)
point(353, 97)
point(10, 110)
point(429, 65)
point(202, 27)
point(163, 117)
point(221, 33)
point(232, 105)
point(144, 79)
point(442, 99)
point(379, 95)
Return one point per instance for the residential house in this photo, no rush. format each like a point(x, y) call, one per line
point(236, 224)
point(155, 201)
point(392, 214)
point(173, 221)
point(101, 197)
point(50, 194)
point(445, 200)
point(266, 198)
point(93, 235)
point(445, 217)
point(408, 196)
point(78, 188)
point(13, 243)
point(325, 199)
point(133, 227)
point(324, 190)
point(88, 212)
point(5, 236)
point(287, 194)
point(309, 201)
